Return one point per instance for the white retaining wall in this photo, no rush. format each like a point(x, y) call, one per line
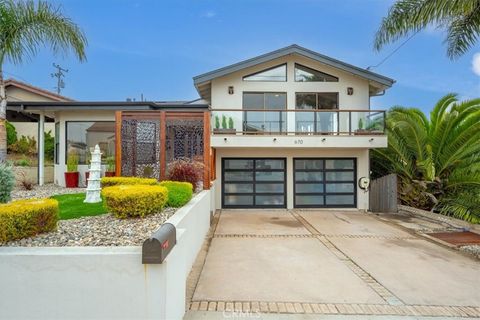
point(103, 282)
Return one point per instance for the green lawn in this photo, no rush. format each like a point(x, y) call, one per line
point(71, 206)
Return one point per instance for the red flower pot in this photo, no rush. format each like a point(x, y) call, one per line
point(109, 173)
point(71, 179)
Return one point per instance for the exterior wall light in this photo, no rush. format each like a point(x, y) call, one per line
point(230, 90)
point(225, 139)
point(350, 91)
point(274, 139)
point(371, 139)
point(324, 139)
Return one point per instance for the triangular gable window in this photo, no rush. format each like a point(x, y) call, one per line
point(306, 74)
point(274, 74)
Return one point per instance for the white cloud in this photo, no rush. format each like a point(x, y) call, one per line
point(209, 14)
point(476, 63)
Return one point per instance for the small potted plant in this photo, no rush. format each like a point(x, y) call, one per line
point(110, 172)
point(71, 176)
point(227, 125)
point(88, 156)
point(361, 130)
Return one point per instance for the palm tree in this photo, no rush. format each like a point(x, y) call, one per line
point(460, 18)
point(437, 160)
point(26, 26)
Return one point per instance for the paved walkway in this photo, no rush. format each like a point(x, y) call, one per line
point(330, 263)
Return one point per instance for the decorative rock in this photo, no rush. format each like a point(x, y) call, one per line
point(102, 230)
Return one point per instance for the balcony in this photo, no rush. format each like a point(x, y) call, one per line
point(298, 129)
point(298, 122)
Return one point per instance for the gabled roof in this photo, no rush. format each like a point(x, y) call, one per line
point(202, 81)
point(36, 90)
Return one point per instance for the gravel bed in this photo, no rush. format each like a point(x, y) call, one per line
point(103, 230)
point(44, 191)
point(472, 249)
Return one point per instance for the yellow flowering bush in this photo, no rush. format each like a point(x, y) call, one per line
point(128, 201)
point(179, 193)
point(26, 218)
point(115, 181)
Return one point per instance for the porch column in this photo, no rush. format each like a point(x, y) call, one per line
point(41, 149)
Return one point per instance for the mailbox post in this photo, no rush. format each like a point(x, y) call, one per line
point(158, 246)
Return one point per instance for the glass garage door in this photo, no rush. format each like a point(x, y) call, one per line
point(324, 183)
point(253, 183)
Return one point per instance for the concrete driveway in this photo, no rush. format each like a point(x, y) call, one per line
point(331, 262)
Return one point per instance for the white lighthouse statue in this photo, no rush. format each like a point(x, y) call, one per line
point(93, 182)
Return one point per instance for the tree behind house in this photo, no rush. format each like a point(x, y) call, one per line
point(25, 27)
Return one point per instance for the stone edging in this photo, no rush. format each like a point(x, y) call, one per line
point(438, 217)
point(335, 308)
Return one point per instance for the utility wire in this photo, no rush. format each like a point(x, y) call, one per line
point(15, 75)
point(393, 52)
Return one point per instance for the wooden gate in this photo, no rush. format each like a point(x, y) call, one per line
point(383, 194)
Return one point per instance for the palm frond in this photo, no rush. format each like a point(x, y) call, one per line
point(27, 26)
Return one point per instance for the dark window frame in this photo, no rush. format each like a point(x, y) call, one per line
point(268, 69)
point(316, 99)
point(56, 149)
point(66, 136)
point(254, 182)
point(315, 70)
point(324, 181)
point(282, 117)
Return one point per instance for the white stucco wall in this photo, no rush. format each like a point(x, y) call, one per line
point(222, 100)
point(64, 116)
point(362, 156)
point(103, 282)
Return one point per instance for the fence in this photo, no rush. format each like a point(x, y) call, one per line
point(383, 194)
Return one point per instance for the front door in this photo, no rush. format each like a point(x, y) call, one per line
point(254, 183)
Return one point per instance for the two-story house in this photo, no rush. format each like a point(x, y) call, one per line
point(298, 130)
point(288, 129)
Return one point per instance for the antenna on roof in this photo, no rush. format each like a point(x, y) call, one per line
point(59, 75)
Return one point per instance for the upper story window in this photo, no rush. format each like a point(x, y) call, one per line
point(306, 74)
point(264, 100)
point(313, 101)
point(274, 74)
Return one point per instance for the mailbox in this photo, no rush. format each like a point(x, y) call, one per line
point(157, 248)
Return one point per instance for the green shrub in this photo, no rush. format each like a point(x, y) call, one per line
point(116, 181)
point(7, 182)
point(72, 162)
point(128, 201)
point(49, 145)
point(24, 162)
point(26, 218)
point(110, 164)
point(11, 134)
point(179, 193)
point(25, 145)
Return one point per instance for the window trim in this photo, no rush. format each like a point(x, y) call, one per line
point(66, 136)
point(268, 69)
point(301, 65)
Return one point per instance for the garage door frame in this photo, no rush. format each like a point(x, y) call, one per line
point(324, 194)
point(254, 182)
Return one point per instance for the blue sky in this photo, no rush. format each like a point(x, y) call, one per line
point(156, 47)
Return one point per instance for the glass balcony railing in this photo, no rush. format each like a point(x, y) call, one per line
point(298, 122)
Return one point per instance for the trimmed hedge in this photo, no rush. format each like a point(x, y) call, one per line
point(25, 218)
point(179, 193)
point(116, 181)
point(128, 201)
